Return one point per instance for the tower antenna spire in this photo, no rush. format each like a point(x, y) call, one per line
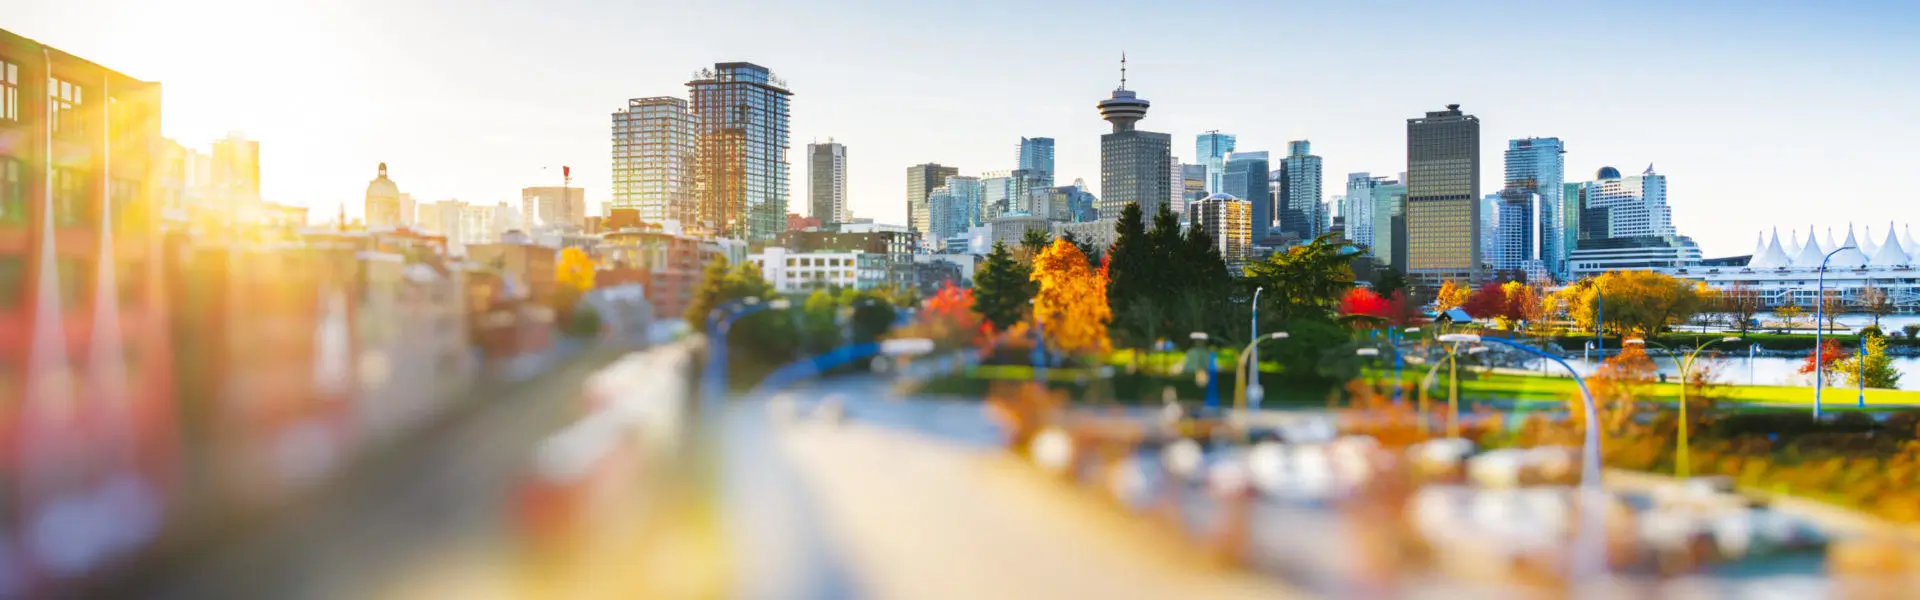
point(1123, 69)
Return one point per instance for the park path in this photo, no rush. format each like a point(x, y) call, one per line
point(917, 517)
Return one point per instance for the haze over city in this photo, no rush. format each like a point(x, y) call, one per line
point(1756, 113)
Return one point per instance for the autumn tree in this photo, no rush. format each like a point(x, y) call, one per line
point(574, 270)
point(1823, 359)
point(1874, 301)
point(1638, 302)
point(1877, 370)
point(1740, 302)
point(1002, 288)
point(1831, 306)
point(1789, 313)
point(1071, 305)
point(947, 318)
point(1363, 308)
point(1523, 304)
point(1489, 301)
point(1452, 295)
point(1619, 382)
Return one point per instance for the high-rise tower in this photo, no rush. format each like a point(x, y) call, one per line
point(1299, 209)
point(1211, 149)
point(653, 160)
point(1538, 165)
point(827, 182)
point(1443, 196)
point(1134, 165)
point(921, 179)
point(740, 163)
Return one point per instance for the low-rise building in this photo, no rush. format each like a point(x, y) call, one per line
point(793, 272)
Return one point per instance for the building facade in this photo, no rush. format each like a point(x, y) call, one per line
point(1134, 164)
point(1036, 157)
point(383, 204)
point(1193, 187)
point(968, 201)
point(827, 182)
point(653, 159)
point(1443, 196)
point(1301, 209)
point(1617, 207)
point(1538, 165)
point(234, 170)
point(1248, 178)
point(560, 208)
point(793, 272)
point(740, 113)
point(921, 179)
point(1211, 150)
point(1227, 219)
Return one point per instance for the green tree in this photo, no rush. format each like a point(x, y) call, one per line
point(1878, 368)
point(1032, 242)
point(1200, 257)
point(1387, 280)
point(1305, 281)
point(1086, 247)
point(1130, 262)
point(1002, 288)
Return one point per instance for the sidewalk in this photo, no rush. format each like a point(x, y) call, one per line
point(925, 519)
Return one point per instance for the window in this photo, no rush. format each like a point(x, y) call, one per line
point(70, 202)
point(13, 191)
point(63, 104)
point(9, 91)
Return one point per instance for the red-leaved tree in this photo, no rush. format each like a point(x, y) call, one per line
point(1830, 352)
point(1363, 302)
point(1487, 302)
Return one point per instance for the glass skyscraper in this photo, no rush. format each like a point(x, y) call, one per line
point(1193, 187)
point(1246, 178)
point(653, 160)
point(827, 182)
point(967, 199)
point(1036, 157)
point(1538, 165)
point(1135, 166)
point(1443, 196)
point(1211, 150)
point(921, 179)
point(1300, 209)
point(740, 117)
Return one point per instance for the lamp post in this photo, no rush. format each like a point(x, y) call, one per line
point(1589, 549)
point(1253, 333)
point(1398, 362)
point(1453, 388)
point(1860, 377)
point(1819, 313)
point(1369, 353)
point(1683, 464)
point(1250, 391)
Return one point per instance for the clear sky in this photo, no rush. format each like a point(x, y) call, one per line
point(1760, 113)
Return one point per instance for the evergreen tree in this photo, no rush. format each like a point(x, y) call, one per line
point(1002, 288)
point(1086, 248)
point(1032, 242)
point(1199, 254)
point(1129, 262)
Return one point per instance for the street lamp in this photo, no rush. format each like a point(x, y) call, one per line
point(719, 322)
point(1589, 552)
point(1253, 333)
point(1819, 310)
point(1251, 391)
point(1683, 465)
point(1453, 341)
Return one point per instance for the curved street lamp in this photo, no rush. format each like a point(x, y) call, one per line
point(1251, 392)
point(1819, 314)
point(1683, 466)
point(1453, 388)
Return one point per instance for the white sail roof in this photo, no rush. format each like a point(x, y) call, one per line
point(1906, 241)
point(1769, 256)
point(1850, 256)
point(1891, 253)
point(1866, 241)
point(1830, 245)
point(1810, 253)
point(1793, 245)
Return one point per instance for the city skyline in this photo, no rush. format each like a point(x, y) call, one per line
point(1710, 133)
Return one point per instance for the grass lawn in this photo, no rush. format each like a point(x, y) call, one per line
point(1524, 387)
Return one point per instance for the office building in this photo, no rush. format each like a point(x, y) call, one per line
point(996, 195)
point(1248, 179)
point(1227, 219)
point(1301, 210)
point(945, 216)
point(1538, 165)
point(1134, 164)
point(1193, 187)
point(1515, 248)
point(827, 182)
point(1211, 150)
point(1443, 196)
point(1357, 209)
point(653, 160)
point(562, 208)
point(968, 197)
point(1378, 220)
point(1082, 204)
point(235, 171)
point(740, 113)
point(1489, 226)
point(1619, 207)
point(1036, 157)
point(921, 179)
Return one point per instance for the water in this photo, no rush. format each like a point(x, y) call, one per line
point(1761, 370)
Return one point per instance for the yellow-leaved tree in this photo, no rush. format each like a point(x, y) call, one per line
point(1071, 305)
point(1451, 295)
point(574, 271)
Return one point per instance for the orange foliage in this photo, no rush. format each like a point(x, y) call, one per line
point(1072, 303)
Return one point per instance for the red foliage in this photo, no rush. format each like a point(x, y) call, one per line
point(1487, 302)
point(1364, 302)
point(950, 303)
point(1830, 352)
point(1400, 309)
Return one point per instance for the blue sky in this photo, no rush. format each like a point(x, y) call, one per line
point(1760, 113)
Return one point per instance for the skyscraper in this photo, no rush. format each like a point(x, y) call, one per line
point(1246, 178)
point(236, 170)
point(1211, 150)
point(1378, 220)
point(1621, 207)
point(921, 179)
point(1036, 157)
point(967, 199)
point(827, 182)
point(1358, 209)
point(1134, 164)
point(1300, 209)
point(1226, 219)
point(1443, 196)
point(740, 160)
point(1193, 187)
point(653, 160)
point(1538, 165)
point(1514, 247)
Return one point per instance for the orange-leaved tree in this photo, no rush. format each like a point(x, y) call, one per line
point(1452, 294)
point(1618, 383)
point(947, 318)
point(574, 271)
point(1072, 302)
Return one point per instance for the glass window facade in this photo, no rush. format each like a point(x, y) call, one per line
point(1134, 168)
point(1211, 149)
point(1443, 195)
point(740, 113)
point(653, 159)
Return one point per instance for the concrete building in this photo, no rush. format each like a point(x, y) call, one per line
point(1301, 208)
point(740, 113)
point(793, 272)
point(1443, 196)
point(234, 167)
point(1617, 207)
point(653, 159)
point(921, 179)
point(827, 182)
point(1357, 209)
point(1211, 150)
point(1193, 187)
point(1098, 233)
point(383, 204)
point(1538, 165)
point(1384, 200)
point(1227, 219)
point(558, 208)
point(1134, 164)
